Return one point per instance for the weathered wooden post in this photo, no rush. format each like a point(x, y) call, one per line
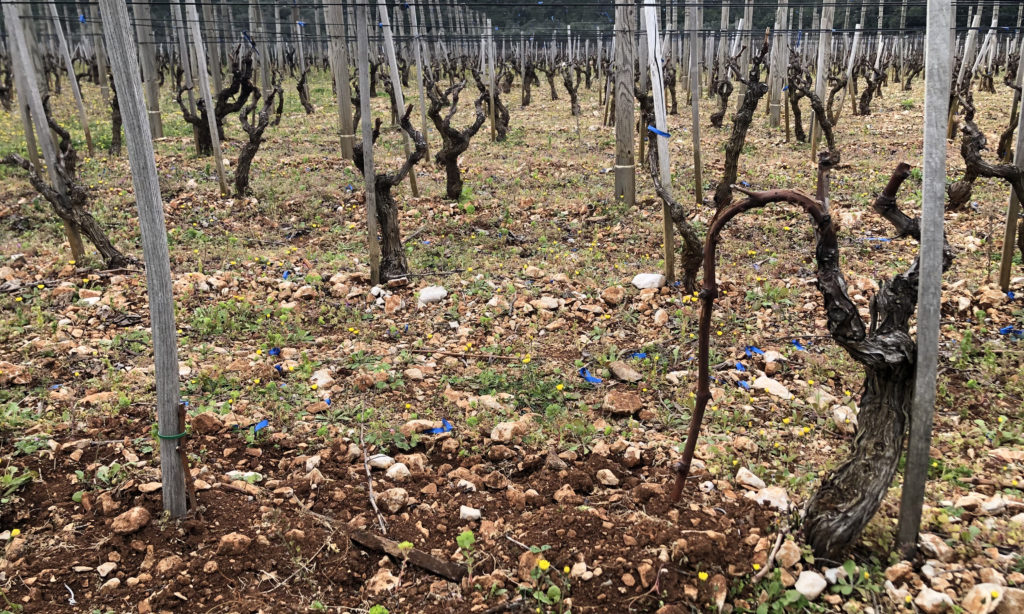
point(369, 174)
point(417, 45)
point(147, 52)
point(338, 50)
point(396, 83)
point(824, 47)
point(654, 61)
point(31, 103)
point(154, 247)
point(212, 39)
point(851, 62)
point(1009, 237)
point(204, 89)
point(186, 65)
point(62, 45)
point(625, 56)
point(698, 172)
point(938, 71)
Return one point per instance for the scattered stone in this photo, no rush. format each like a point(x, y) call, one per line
point(549, 303)
point(169, 565)
point(810, 584)
point(935, 547)
point(788, 555)
point(393, 499)
point(613, 295)
point(632, 457)
point(383, 581)
point(845, 418)
point(567, 496)
point(819, 398)
point(625, 372)
point(933, 602)
point(322, 378)
point(380, 461)
point(233, 544)
point(398, 472)
point(533, 272)
point(622, 403)
point(1012, 603)
point(898, 572)
point(469, 513)
point(660, 318)
point(414, 374)
point(982, 598)
point(106, 568)
point(772, 387)
point(578, 569)
point(130, 521)
point(432, 294)
point(418, 426)
point(607, 478)
point(774, 496)
point(393, 304)
point(746, 478)
point(648, 280)
point(110, 585)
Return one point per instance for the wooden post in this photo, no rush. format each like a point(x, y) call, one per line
point(96, 38)
point(204, 90)
point(849, 70)
point(212, 39)
point(363, 66)
point(938, 71)
point(186, 64)
point(32, 106)
point(154, 248)
point(489, 43)
point(417, 46)
point(396, 83)
point(698, 173)
point(625, 56)
point(820, 83)
point(62, 45)
point(1014, 210)
point(654, 61)
point(746, 44)
point(338, 49)
point(147, 51)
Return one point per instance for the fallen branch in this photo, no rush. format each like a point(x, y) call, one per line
point(369, 483)
point(446, 569)
point(771, 557)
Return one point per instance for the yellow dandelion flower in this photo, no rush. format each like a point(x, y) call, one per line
point(543, 564)
point(703, 576)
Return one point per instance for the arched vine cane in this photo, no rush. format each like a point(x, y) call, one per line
point(851, 494)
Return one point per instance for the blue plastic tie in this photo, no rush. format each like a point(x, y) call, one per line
point(259, 426)
point(740, 367)
point(638, 355)
point(750, 350)
point(81, 18)
point(274, 352)
point(744, 385)
point(444, 428)
point(654, 130)
point(798, 345)
point(590, 378)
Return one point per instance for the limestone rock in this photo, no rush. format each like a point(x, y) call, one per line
point(773, 387)
point(746, 478)
point(393, 499)
point(233, 544)
point(622, 403)
point(130, 521)
point(933, 602)
point(982, 599)
point(613, 295)
point(810, 584)
point(648, 280)
point(625, 372)
point(432, 294)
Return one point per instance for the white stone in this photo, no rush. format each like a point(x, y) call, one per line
point(432, 294)
point(322, 378)
point(398, 472)
point(810, 584)
point(105, 569)
point(845, 418)
point(468, 513)
point(607, 478)
point(649, 280)
point(745, 477)
point(773, 387)
point(933, 602)
point(774, 496)
point(380, 461)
